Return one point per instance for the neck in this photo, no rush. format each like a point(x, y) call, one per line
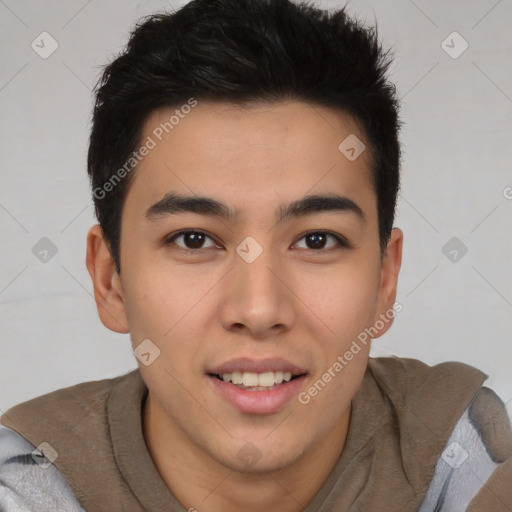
point(201, 483)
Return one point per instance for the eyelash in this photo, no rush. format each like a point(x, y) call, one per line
point(341, 241)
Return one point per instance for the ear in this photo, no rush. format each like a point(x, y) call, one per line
point(391, 263)
point(108, 290)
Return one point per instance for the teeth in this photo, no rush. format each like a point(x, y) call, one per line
point(251, 379)
point(265, 379)
point(236, 378)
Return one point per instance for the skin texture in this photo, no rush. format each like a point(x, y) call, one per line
point(203, 308)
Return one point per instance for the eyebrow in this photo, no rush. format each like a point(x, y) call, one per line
point(173, 203)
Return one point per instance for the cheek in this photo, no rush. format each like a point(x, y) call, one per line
point(147, 307)
point(153, 294)
point(346, 302)
point(327, 397)
point(168, 310)
point(344, 299)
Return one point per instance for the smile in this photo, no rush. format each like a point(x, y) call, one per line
point(244, 392)
point(257, 381)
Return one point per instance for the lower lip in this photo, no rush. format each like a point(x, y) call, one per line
point(258, 402)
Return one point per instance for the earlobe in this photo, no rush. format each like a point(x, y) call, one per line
point(390, 269)
point(108, 291)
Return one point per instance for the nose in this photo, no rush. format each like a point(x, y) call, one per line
point(258, 299)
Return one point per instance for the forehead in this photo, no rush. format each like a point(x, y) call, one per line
point(251, 153)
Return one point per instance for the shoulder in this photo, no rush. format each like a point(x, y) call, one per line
point(435, 389)
point(402, 371)
point(63, 408)
point(81, 396)
point(32, 432)
point(29, 482)
point(476, 460)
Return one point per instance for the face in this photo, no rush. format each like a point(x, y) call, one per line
point(251, 284)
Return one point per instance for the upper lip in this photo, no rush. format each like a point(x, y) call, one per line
point(245, 364)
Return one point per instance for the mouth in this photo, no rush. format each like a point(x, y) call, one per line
point(257, 393)
point(252, 381)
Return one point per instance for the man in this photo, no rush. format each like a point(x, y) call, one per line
point(244, 162)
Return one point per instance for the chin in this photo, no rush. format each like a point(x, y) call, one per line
point(258, 458)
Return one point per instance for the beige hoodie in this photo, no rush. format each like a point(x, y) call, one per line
point(402, 418)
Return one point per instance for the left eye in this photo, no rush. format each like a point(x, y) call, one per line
point(317, 240)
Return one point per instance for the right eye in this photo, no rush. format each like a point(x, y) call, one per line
point(191, 240)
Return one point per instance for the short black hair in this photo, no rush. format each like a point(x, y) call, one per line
point(242, 51)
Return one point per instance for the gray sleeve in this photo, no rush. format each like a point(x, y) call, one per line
point(471, 455)
point(29, 482)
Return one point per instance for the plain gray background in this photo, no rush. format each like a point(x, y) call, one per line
point(456, 182)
